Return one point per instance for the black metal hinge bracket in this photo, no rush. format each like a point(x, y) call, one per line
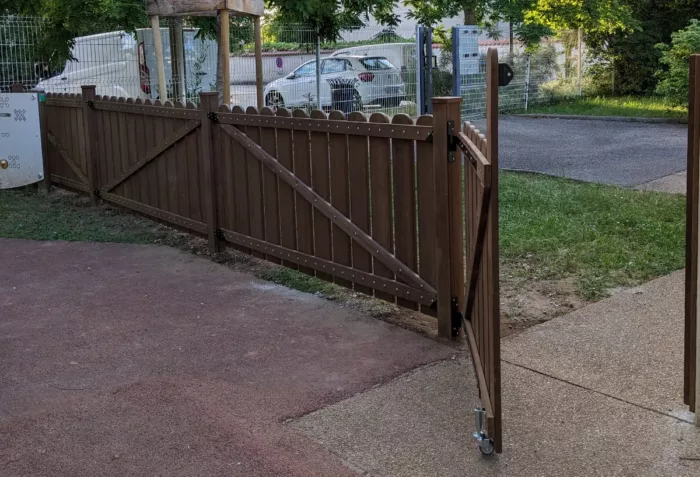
point(91, 104)
point(456, 317)
point(451, 141)
point(219, 234)
point(213, 117)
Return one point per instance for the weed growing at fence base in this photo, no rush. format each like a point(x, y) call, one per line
point(625, 106)
point(602, 236)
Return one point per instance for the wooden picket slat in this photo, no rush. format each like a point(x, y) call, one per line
point(320, 182)
point(256, 208)
point(340, 194)
point(404, 177)
point(358, 173)
point(268, 141)
point(381, 202)
point(302, 169)
point(240, 174)
point(287, 213)
point(426, 210)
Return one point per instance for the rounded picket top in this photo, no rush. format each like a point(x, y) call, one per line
point(379, 118)
point(283, 113)
point(402, 118)
point(138, 101)
point(251, 110)
point(157, 102)
point(121, 99)
point(191, 105)
point(300, 113)
point(267, 111)
point(237, 109)
point(129, 100)
point(224, 108)
point(168, 104)
point(148, 102)
point(113, 99)
point(357, 116)
point(337, 115)
point(318, 114)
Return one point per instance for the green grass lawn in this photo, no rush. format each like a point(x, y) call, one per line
point(600, 236)
point(627, 106)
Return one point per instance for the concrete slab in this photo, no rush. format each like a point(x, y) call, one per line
point(673, 184)
point(420, 425)
point(629, 346)
point(139, 360)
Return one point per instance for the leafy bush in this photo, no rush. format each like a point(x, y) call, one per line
point(673, 75)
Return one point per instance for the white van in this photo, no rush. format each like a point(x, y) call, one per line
point(123, 65)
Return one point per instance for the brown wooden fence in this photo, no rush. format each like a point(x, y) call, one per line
point(378, 205)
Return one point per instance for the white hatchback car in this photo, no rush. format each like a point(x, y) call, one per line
point(376, 80)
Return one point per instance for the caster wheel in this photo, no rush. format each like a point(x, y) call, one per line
point(486, 447)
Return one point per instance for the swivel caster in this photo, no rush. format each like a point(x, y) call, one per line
point(484, 443)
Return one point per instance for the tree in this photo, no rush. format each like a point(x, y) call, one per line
point(329, 17)
point(675, 60)
point(66, 19)
point(431, 13)
point(629, 56)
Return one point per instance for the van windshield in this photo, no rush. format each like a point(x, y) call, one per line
point(374, 64)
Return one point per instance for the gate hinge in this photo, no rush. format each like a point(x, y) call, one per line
point(97, 193)
point(91, 104)
point(451, 141)
point(456, 317)
point(213, 117)
point(219, 233)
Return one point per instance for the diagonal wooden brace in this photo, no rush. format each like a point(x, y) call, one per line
point(156, 151)
point(402, 271)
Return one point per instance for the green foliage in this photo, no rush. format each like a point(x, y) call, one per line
point(630, 55)
point(66, 19)
point(331, 16)
point(673, 76)
point(591, 15)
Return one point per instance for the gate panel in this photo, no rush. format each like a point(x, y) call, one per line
point(691, 382)
point(64, 133)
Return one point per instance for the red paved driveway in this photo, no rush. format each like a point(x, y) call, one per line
point(139, 360)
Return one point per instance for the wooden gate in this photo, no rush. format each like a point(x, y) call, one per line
point(691, 368)
point(403, 210)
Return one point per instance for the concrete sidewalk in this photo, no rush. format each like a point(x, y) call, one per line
point(595, 392)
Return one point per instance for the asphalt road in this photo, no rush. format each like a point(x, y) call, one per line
point(609, 152)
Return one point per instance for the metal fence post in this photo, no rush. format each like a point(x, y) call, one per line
point(209, 103)
point(318, 69)
point(527, 81)
point(88, 93)
point(448, 234)
point(456, 63)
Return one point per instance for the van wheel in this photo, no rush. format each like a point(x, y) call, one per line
point(274, 100)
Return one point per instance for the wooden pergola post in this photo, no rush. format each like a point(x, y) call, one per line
point(225, 51)
point(176, 8)
point(160, 66)
point(258, 63)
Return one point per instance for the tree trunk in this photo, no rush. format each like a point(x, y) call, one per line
point(510, 38)
point(469, 15)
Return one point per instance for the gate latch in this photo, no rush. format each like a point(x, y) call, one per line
point(451, 141)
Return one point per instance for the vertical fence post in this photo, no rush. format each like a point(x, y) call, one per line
point(209, 103)
point(88, 124)
point(448, 210)
point(43, 124)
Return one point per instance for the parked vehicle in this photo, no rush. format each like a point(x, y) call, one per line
point(123, 65)
point(401, 55)
point(377, 81)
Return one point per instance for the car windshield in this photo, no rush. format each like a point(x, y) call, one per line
point(374, 64)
